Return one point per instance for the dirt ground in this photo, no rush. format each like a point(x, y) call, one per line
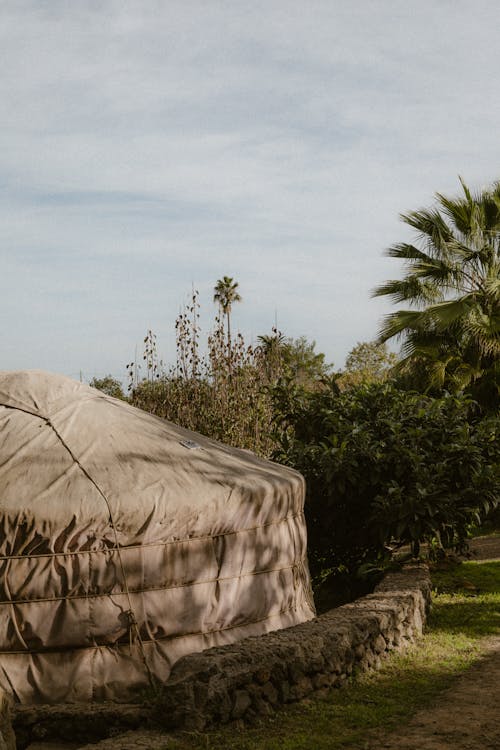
point(465, 717)
point(485, 548)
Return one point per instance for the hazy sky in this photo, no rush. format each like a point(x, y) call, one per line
point(146, 146)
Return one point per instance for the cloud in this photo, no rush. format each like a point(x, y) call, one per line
point(146, 145)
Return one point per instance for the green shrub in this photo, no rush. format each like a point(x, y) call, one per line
point(385, 468)
point(108, 385)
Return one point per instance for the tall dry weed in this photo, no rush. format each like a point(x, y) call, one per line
point(222, 393)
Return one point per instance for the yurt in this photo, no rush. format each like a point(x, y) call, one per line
point(127, 542)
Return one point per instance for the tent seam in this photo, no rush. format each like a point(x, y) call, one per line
point(126, 548)
point(297, 564)
point(114, 646)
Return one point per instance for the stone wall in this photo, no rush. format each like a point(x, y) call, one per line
point(249, 678)
point(75, 722)
point(7, 738)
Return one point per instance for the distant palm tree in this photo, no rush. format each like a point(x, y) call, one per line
point(270, 349)
point(270, 344)
point(225, 295)
point(452, 282)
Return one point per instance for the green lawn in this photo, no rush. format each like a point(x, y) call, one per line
point(466, 607)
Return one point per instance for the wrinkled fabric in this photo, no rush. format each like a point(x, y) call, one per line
point(122, 548)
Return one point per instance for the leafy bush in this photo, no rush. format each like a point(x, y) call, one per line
point(108, 385)
point(384, 468)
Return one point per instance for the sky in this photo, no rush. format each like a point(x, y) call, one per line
point(150, 146)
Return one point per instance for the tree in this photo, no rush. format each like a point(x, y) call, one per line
point(225, 295)
point(108, 385)
point(270, 351)
point(307, 366)
point(451, 336)
point(367, 362)
point(296, 359)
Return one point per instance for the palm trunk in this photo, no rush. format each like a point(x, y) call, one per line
point(230, 364)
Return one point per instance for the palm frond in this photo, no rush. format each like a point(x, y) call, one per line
point(442, 273)
point(453, 279)
point(458, 210)
point(444, 314)
point(405, 251)
point(398, 323)
point(431, 226)
point(411, 289)
point(463, 375)
point(492, 288)
point(485, 330)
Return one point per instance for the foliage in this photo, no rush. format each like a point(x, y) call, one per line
point(306, 366)
point(367, 362)
point(225, 295)
point(297, 358)
point(221, 392)
point(451, 334)
point(385, 467)
point(221, 389)
point(270, 351)
point(108, 385)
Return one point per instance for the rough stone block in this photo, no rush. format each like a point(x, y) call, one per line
point(270, 693)
point(380, 644)
point(284, 691)
point(302, 688)
point(322, 681)
point(242, 703)
point(262, 675)
point(7, 737)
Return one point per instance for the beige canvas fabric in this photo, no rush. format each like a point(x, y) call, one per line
point(124, 547)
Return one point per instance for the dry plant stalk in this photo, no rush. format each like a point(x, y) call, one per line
point(223, 393)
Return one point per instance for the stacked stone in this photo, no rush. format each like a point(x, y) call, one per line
point(75, 722)
point(250, 678)
point(7, 738)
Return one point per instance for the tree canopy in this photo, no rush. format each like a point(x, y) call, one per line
point(294, 358)
point(367, 362)
point(225, 295)
point(451, 333)
point(108, 385)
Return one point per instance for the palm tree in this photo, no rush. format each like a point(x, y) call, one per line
point(452, 284)
point(225, 295)
point(270, 349)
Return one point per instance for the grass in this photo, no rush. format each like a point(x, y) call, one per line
point(465, 611)
point(467, 599)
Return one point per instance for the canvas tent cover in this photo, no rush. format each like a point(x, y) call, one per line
point(124, 547)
